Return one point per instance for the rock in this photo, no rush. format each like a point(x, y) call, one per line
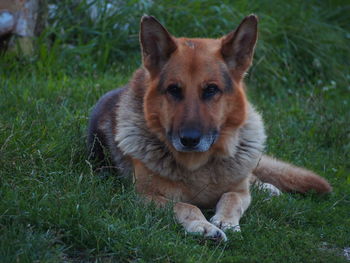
point(7, 22)
point(21, 21)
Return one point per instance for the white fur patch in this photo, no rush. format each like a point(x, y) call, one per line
point(206, 229)
point(271, 189)
point(224, 224)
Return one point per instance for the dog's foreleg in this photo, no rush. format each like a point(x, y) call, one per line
point(194, 221)
point(162, 191)
point(230, 209)
point(191, 218)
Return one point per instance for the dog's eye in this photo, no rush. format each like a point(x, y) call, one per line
point(210, 91)
point(175, 91)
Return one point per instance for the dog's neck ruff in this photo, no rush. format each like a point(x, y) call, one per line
point(135, 139)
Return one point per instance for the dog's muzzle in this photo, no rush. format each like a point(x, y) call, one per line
point(192, 140)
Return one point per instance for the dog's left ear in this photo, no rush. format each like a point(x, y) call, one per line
point(237, 48)
point(156, 43)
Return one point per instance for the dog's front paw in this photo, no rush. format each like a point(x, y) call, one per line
point(206, 229)
point(225, 223)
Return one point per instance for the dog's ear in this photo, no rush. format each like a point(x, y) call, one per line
point(156, 43)
point(237, 47)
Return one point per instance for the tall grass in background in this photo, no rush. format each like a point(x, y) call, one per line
point(305, 34)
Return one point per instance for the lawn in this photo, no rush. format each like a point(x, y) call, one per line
point(55, 208)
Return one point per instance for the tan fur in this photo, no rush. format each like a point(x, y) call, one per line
point(290, 178)
point(141, 125)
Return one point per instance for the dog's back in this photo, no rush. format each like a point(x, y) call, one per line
point(102, 129)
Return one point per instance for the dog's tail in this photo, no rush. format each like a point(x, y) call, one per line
point(289, 178)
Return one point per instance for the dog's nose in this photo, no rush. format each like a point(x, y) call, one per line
point(190, 137)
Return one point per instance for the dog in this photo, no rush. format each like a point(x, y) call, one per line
point(185, 129)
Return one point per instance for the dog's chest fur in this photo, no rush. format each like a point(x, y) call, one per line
point(134, 139)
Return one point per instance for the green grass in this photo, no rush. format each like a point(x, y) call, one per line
point(54, 208)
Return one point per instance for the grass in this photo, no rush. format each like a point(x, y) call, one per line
point(54, 208)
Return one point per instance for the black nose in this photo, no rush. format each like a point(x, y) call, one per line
point(190, 137)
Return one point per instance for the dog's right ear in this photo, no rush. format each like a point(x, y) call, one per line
point(156, 43)
point(237, 48)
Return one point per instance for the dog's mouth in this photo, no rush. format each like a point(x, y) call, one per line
point(192, 140)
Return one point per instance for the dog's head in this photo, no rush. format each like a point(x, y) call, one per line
point(195, 97)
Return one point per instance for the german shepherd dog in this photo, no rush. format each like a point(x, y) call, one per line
point(184, 128)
